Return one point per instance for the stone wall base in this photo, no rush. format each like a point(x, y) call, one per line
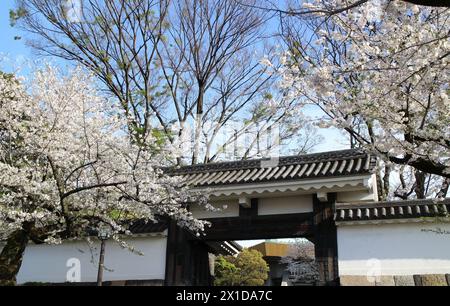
point(150, 282)
point(396, 280)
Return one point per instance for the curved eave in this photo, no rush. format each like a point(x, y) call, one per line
point(330, 184)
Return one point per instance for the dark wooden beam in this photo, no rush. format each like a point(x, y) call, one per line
point(252, 211)
point(325, 240)
point(171, 252)
point(260, 227)
point(187, 261)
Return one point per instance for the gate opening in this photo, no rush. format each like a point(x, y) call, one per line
point(291, 261)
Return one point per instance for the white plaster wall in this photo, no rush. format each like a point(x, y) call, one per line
point(227, 208)
point(285, 205)
point(394, 249)
point(48, 263)
point(276, 204)
point(355, 196)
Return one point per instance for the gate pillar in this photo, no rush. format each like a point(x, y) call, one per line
point(325, 239)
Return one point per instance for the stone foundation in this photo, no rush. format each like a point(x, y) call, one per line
point(151, 282)
point(396, 280)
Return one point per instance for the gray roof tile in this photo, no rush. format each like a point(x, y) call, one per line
point(392, 210)
point(326, 164)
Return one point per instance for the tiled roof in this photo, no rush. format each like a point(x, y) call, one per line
point(228, 247)
point(143, 227)
point(392, 210)
point(139, 226)
point(222, 247)
point(326, 164)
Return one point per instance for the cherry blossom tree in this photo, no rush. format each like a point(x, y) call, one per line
point(69, 166)
point(301, 263)
point(380, 72)
point(292, 8)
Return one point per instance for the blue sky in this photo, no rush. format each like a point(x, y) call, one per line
point(15, 54)
point(15, 51)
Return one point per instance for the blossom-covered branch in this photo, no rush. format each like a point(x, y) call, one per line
point(69, 166)
point(379, 72)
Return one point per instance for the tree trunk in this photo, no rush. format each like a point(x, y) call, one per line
point(11, 257)
point(420, 184)
point(198, 125)
point(444, 188)
point(383, 183)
